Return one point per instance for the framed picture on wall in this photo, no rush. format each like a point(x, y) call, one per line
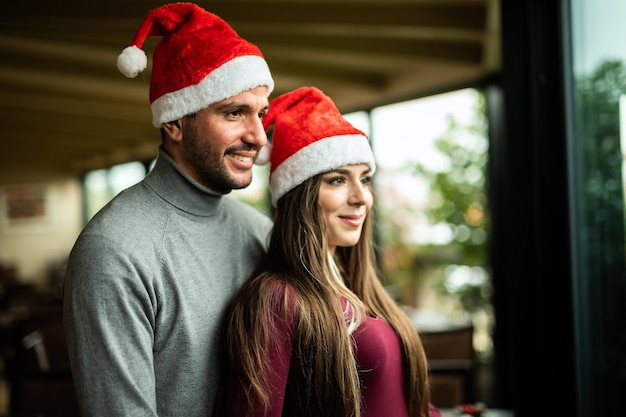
point(25, 208)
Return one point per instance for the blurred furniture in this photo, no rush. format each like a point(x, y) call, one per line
point(451, 359)
point(491, 412)
point(36, 357)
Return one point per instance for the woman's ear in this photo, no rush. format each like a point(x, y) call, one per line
point(173, 130)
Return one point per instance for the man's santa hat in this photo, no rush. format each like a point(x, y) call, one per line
point(200, 60)
point(309, 136)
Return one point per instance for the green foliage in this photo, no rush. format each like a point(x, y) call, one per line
point(458, 196)
point(598, 127)
point(597, 157)
point(460, 201)
point(457, 201)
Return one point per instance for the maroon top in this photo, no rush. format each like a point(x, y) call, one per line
point(379, 359)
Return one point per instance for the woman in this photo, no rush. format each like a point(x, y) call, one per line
point(315, 333)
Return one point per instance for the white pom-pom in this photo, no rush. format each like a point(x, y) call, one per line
point(132, 61)
point(263, 157)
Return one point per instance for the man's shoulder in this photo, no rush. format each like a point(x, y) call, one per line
point(136, 209)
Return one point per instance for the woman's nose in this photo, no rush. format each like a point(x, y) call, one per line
point(360, 194)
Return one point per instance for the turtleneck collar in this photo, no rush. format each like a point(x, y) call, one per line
point(179, 189)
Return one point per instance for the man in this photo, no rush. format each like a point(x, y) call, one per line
point(151, 275)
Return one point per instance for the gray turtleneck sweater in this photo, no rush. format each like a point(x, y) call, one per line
point(146, 291)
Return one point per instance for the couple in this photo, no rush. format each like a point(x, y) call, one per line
point(158, 284)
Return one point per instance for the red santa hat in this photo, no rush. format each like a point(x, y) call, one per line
point(309, 136)
point(199, 61)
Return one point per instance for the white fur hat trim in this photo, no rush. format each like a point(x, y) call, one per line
point(320, 156)
point(235, 76)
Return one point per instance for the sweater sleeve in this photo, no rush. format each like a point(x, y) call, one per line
point(109, 327)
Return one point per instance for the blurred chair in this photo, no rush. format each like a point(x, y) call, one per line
point(38, 370)
point(452, 362)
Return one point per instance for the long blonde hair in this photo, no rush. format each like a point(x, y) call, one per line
point(299, 280)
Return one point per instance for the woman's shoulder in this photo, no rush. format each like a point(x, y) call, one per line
point(269, 291)
point(268, 295)
point(270, 286)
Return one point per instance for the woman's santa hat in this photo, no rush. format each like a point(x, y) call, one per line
point(309, 136)
point(200, 60)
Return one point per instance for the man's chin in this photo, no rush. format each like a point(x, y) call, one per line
point(240, 183)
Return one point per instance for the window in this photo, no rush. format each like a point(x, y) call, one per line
point(100, 186)
point(432, 211)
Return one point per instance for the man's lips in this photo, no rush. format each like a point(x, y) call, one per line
point(243, 159)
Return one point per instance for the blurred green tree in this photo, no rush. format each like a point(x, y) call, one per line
point(457, 205)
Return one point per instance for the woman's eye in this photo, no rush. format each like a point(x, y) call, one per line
point(336, 180)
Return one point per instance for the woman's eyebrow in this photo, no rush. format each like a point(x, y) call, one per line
point(347, 171)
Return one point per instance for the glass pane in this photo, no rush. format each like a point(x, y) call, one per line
point(96, 191)
point(124, 175)
point(433, 220)
point(597, 189)
point(360, 120)
point(102, 185)
point(433, 224)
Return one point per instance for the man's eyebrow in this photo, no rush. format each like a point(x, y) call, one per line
point(237, 105)
point(233, 105)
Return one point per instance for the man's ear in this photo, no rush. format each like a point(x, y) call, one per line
point(173, 130)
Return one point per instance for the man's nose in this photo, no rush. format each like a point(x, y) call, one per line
point(255, 134)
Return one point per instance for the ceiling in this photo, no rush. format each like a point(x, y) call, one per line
point(65, 108)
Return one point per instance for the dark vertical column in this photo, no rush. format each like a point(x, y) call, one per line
point(530, 246)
